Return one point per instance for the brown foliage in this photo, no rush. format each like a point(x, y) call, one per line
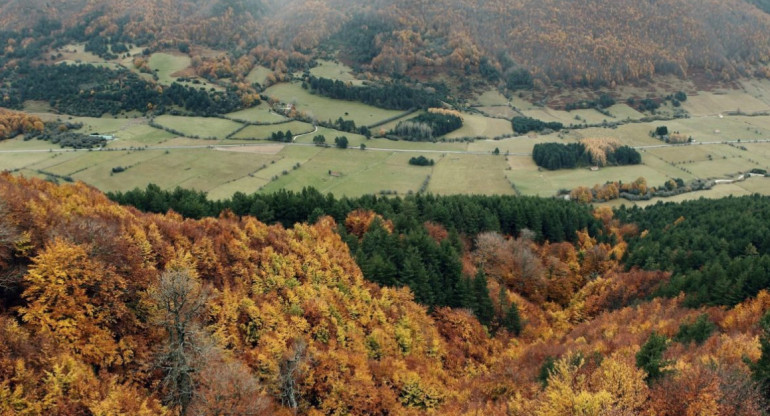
point(13, 123)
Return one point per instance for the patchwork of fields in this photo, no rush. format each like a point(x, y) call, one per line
point(225, 155)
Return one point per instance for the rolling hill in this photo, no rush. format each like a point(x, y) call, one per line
point(591, 42)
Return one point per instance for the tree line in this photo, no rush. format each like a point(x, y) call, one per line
point(392, 95)
point(553, 156)
point(427, 126)
point(717, 250)
point(88, 90)
point(548, 219)
point(523, 125)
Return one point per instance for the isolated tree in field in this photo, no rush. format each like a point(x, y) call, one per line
point(319, 140)
point(341, 142)
point(177, 300)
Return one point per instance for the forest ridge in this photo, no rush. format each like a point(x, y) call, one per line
point(591, 42)
point(109, 311)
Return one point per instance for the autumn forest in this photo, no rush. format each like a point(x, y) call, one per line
point(108, 310)
point(129, 285)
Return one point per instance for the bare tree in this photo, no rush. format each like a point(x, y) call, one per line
point(289, 373)
point(226, 387)
point(178, 300)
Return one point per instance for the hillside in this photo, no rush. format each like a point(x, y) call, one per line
point(596, 42)
point(273, 319)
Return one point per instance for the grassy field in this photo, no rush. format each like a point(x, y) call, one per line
point(77, 52)
point(172, 161)
point(477, 125)
point(470, 174)
point(355, 172)
point(531, 181)
point(199, 126)
point(323, 108)
point(713, 103)
point(490, 98)
point(264, 132)
point(166, 64)
point(140, 135)
point(336, 71)
point(499, 111)
point(261, 114)
point(258, 74)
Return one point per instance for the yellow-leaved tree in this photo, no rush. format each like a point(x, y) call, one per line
point(75, 299)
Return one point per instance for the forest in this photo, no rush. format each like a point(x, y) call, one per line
point(588, 152)
point(402, 38)
point(88, 90)
point(393, 95)
point(428, 126)
point(716, 250)
point(269, 314)
point(523, 125)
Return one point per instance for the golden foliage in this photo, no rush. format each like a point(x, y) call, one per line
point(81, 339)
point(13, 123)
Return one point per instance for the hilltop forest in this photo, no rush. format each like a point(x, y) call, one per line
point(106, 310)
point(518, 43)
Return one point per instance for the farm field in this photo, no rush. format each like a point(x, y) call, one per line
point(499, 111)
point(470, 174)
point(336, 71)
point(204, 127)
point(264, 132)
point(259, 74)
point(719, 191)
point(347, 167)
point(384, 128)
point(530, 181)
point(166, 64)
point(475, 125)
point(490, 98)
point(218, 167)
point(323, 108)
point(713, 103)
point(259, 114)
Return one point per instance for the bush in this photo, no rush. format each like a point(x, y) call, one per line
point(523, 125)
point(341, 142)
point(421, 161)
point(698, 331)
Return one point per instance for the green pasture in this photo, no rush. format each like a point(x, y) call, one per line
point(261, 114)
point(166, 64)
point(324, 109)
point(258, 74)
point(470, 174)
point(203, 127)
point(264, 132)
point(334, 70)
point(475, 125)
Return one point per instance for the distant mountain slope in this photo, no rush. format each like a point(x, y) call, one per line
point(578, 42)
point(573, 41)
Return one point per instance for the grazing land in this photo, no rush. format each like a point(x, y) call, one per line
point(323, 108)
point(204, 127)
point(264, 132)
point(484, 166)
point(165, 65)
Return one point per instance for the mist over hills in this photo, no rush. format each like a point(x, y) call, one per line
point(588, 42)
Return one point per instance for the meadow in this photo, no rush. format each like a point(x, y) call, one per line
point(324, 109)
point(204, 127)
point(222, 167)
